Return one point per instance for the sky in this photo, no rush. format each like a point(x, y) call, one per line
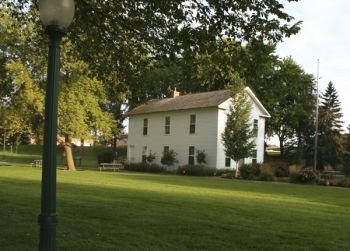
point(324, 35)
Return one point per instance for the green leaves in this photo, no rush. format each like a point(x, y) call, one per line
point(238, 134)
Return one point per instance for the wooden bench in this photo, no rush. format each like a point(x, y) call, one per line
point(110, 166)
point(37, 163)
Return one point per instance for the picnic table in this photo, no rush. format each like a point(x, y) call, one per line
point(37, 163)
point(111, 166)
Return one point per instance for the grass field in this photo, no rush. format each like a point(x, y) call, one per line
point(27, 153)
point(133, 211)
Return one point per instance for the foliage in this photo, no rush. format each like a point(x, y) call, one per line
point(238, 134)
point(344, 182)
point(282, 171)
point(150, 157)
point(105, 157)
point(249, 172)
point(229, 174)
point(330, 126)
point(169, 158)
point(201, 156)
point(306, 176)
point(143, 167)
point(291, 104)
point(82, 97)
point(129, 43)
point(267, 175)
point(196, 170)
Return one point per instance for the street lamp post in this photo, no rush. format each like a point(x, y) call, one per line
point(56, 15)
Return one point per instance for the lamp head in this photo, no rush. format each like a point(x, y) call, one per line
point(58, 13)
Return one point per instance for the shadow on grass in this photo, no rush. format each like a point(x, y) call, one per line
point(311, 193)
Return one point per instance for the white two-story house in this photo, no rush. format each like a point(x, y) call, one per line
point(187, 124)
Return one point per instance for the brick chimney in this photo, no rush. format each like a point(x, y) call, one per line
point(174, 94)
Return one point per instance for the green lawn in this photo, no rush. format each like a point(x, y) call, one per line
point(27, 153)
point(133, 211)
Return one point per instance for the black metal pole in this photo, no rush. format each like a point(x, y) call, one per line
point(3, 155)
point(48, 217)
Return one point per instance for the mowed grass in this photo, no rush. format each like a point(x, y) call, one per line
point(134, 211)
point(27, 153)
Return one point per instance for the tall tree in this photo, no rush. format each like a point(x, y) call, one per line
point(82, 97)
point(238, 134)
point(291, 103)
point(330, 128)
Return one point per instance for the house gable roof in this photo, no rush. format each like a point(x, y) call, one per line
point(191, 101)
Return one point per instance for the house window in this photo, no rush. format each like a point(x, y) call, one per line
point(254, 157)
point(255, 127)
point(227, 162)
point(191, 155)
point(145, 126)
point(144, 154)
point(192, 123)
point(167, 125)
point(166, 149)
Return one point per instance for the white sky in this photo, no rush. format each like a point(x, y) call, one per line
point(324, 35)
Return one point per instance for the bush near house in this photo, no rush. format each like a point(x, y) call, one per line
point(169, 158)
point(249, 172)
point(227, 174)
point(282, 171)
point(266, 173)
point(196, 170)
point(144, 167)
point(201, 156)
point(305, 176)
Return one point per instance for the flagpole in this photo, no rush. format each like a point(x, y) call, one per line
point(316, 117)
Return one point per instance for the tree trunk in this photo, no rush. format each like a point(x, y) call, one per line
point(281, 139)
point(237, 174)
point(114, 142)
point(69, 153)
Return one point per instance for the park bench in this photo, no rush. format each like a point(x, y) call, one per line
point(111, 166)
point(37, 163)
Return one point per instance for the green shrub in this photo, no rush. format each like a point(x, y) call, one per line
point(143, 167)
point(229, 174)
point(151, 157)
point(201, 157)
point(294, 177)
point(196, 170)
point(282, 171)
point(221, 171)
point(267, 175)
point(249, 172)
point(344, 182)
point(306, 176)
point(169, 158)
point(105, 157)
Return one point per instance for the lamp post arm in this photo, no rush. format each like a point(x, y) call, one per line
point(48, 217)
